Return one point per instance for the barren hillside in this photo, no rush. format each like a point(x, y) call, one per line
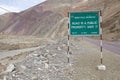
point(49, 19)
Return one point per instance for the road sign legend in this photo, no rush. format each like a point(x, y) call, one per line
point(85, 23)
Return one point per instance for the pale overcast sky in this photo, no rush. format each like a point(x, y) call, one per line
point(17, 5)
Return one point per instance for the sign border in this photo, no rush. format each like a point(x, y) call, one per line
point(87, 34)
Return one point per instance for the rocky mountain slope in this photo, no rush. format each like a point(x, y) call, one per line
point(49, 19)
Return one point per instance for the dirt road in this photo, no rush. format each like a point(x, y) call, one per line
point(15, 52)
point(87, 58)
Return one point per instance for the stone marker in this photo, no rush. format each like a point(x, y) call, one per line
point(101, 67)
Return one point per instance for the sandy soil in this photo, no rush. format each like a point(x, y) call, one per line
point(12, 42)
point(85, 66)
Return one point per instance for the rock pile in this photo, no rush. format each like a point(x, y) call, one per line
point(47, 63)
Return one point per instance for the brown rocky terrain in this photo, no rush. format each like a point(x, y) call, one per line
point(49, 19)
point(50, 63)
point(33, 46)
point(13, 42)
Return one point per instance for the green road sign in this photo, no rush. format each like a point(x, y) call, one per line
point(85, 23)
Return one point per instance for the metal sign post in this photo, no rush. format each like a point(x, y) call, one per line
point(101, 66)
point(68, 52)
point(101, 42)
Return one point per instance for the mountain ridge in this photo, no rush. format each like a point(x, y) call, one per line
point(45, 19)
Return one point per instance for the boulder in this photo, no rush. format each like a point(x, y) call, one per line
point(10, 68)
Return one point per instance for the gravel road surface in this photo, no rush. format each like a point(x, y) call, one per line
point(111, 46)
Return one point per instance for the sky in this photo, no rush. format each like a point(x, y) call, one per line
point(17, 5)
